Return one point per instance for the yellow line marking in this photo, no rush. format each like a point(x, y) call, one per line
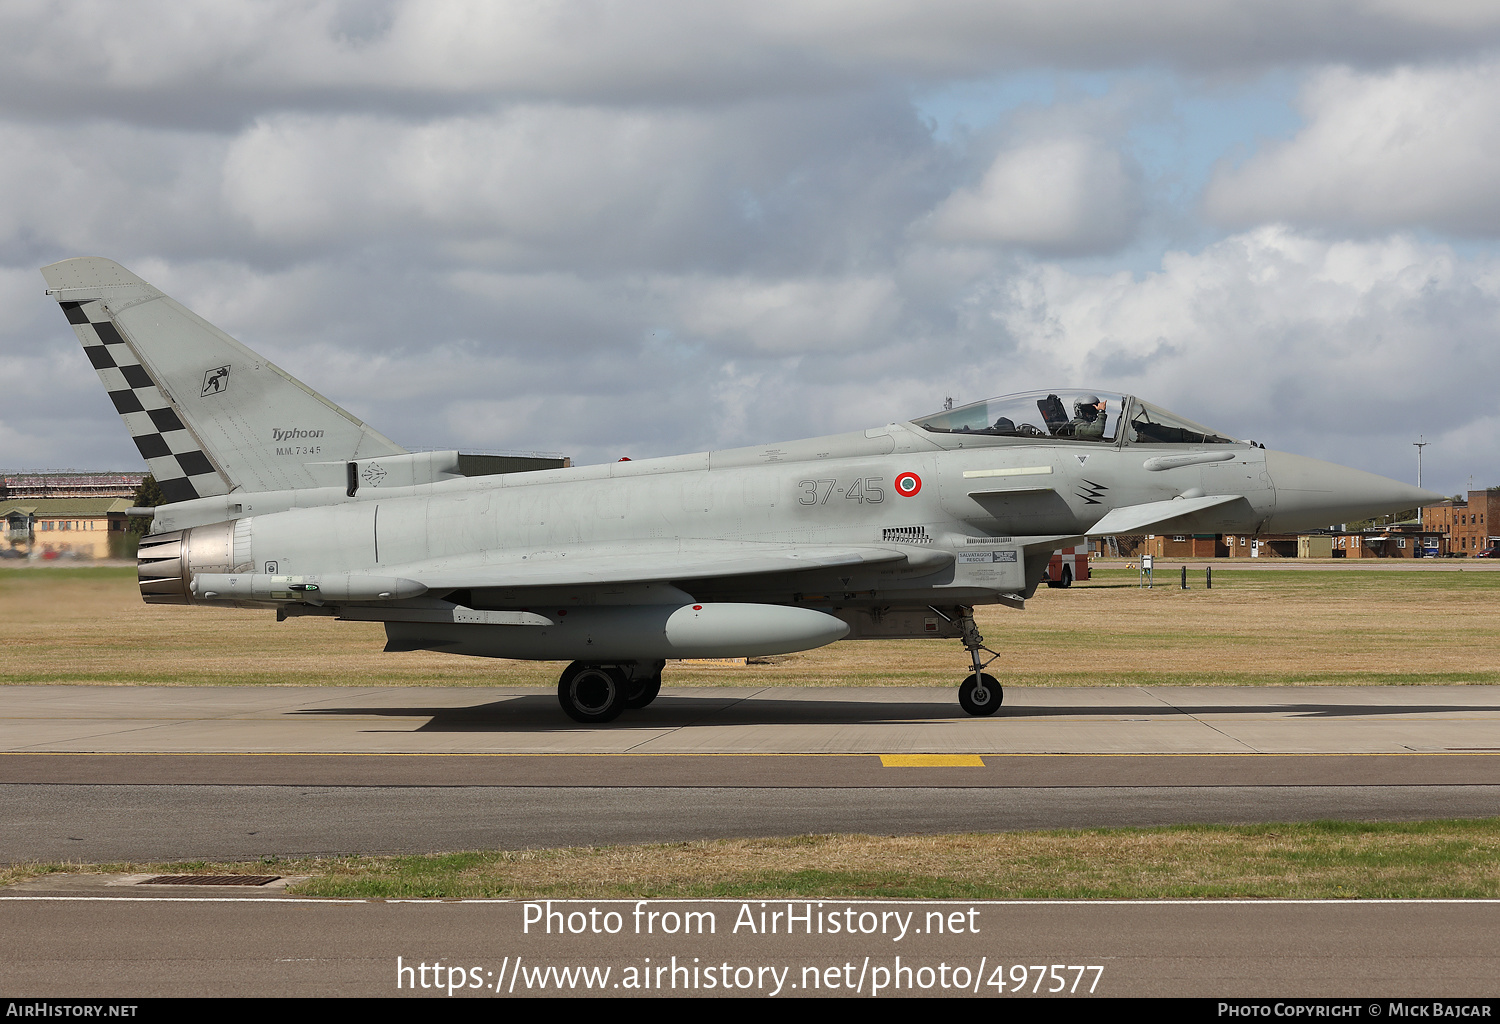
point(1158, 755)
point(931, 761)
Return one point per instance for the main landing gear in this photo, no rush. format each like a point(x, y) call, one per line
point(643, 683)
point(593, 694)
point(980, 693)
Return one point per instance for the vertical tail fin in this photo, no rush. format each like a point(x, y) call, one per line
point(208, 415)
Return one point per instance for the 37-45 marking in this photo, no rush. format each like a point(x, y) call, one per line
point(869, 489)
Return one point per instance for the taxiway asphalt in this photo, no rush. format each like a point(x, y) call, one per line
point(114, 773)
point(96, 774)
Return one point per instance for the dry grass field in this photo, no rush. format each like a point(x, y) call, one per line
point(1314, 860)
point(88, 625)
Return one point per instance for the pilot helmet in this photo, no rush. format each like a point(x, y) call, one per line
point(1089, 402)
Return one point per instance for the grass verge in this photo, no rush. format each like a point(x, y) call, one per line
point(1255, 627)
point(1355, 860)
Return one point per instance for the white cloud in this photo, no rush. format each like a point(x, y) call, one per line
point(788, 316)
point(208, 61)
point(1414, 147)
point(112, 188)
point(552, 186)
point(1336, 349)
point(525, 179)
point(55, 413)
point(614, 228)
point(1069, 195)
point(545, 186)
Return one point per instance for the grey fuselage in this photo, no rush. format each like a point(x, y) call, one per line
point(984, 518)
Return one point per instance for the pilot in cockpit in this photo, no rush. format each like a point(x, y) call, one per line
point(1088, 416)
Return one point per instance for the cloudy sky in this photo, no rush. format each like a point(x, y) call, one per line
point(606, 228)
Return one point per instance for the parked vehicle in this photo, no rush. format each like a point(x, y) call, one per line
point(1067, 565)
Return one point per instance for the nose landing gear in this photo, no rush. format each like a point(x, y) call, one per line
point(980, 694)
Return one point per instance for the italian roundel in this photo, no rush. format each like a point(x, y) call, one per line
point(908, 484)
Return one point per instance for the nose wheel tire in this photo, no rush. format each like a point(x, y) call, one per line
point(980, 694)
point(591, 694)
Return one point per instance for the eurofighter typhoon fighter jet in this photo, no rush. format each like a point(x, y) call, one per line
point(278, 499)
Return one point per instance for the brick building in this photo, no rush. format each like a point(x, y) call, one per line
point(1270, 545)
point(1467, 527)
point(1387, 542)
point(1183, 545)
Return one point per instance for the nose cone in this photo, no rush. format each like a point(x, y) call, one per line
point(1311, 494)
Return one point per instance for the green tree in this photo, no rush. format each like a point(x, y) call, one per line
point(1385, 520)
point(147, 495)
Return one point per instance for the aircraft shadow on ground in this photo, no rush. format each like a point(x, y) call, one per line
point(541, 713)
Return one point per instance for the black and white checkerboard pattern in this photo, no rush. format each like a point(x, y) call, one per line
point(175, 456)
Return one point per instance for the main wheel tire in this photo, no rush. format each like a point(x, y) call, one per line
point(981, 694)
point(591, 694)
point(642, 692)
point(1067, 576)
point(642, 682)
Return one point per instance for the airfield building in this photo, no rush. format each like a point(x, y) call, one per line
point(18, 486)
point(1397, 541)
point(1184, 545)
point(66, 528)
point(1466, 527)
point(1402, 540)
point(67, 515)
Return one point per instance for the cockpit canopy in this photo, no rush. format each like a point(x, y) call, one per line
point(1092, 416)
